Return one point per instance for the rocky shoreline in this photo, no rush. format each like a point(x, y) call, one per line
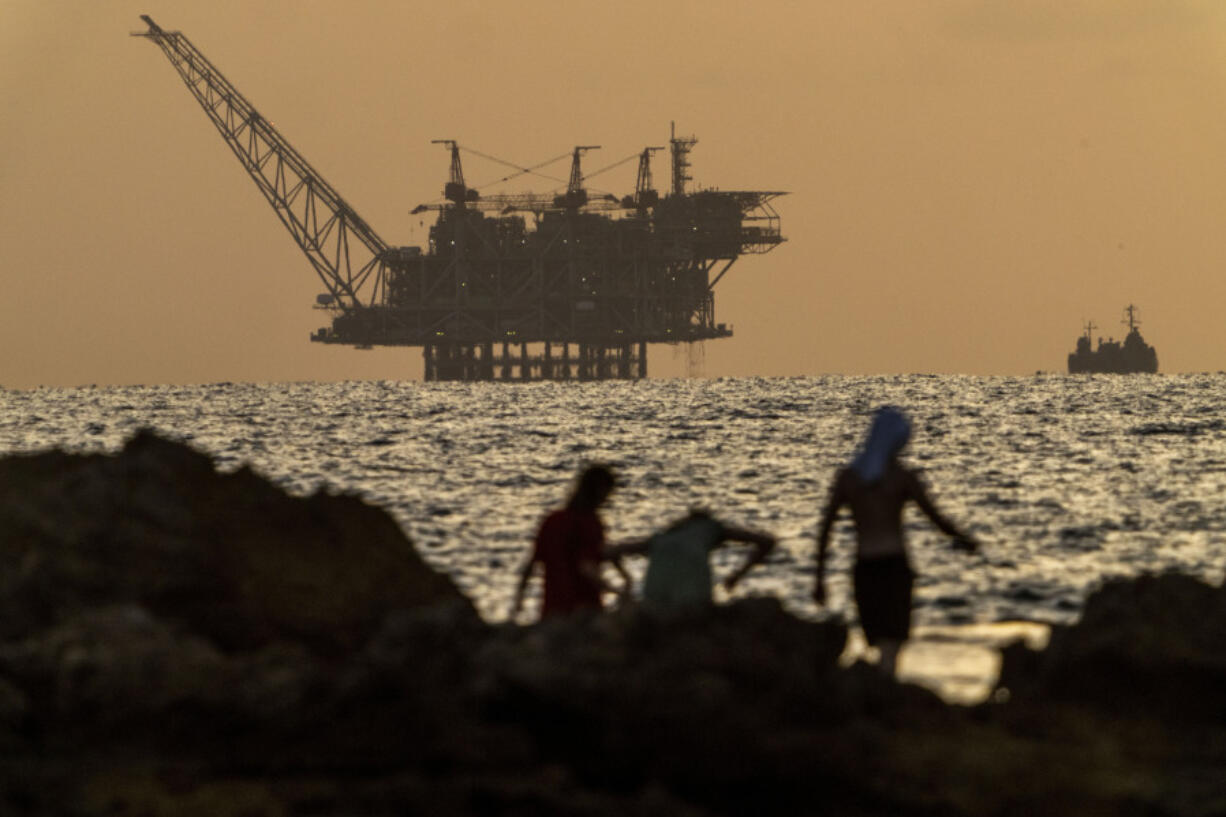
point(175, 641)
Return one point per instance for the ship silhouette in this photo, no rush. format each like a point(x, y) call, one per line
point(1131, 356)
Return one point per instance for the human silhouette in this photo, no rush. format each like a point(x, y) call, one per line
point(678, 577)
point(876, 486)
point(569, 546)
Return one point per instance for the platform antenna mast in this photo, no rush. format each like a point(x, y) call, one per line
point(1131, 312)
point(681, 147)
point(347, 254)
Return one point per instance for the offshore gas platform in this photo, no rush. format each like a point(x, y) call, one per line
point(565, 286)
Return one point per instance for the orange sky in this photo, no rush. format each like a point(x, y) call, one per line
point(970, 180)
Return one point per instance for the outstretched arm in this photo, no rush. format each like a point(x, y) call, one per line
point(525, 575)
point(763, 543)
point(613, 555)
point(919, 493)
point(590, 569)
point(634, 548)
point(838, 497)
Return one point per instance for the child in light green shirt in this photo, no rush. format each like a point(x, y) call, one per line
point(678, 575)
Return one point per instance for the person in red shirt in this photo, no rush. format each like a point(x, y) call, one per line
point(570, 547)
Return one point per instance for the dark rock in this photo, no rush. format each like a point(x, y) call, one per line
point(111, 665)
point(228, 556)
point(176, 641)
point(1155, 644)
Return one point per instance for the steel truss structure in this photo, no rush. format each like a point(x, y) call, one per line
point(600, 277)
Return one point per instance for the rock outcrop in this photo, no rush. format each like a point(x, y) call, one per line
point(227, 556)
point(1155, 644)
point(181, 642)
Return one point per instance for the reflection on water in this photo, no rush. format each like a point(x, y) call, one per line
point(961, 662)
point(1066, 480)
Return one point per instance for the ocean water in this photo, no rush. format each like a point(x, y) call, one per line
point(1065, 480)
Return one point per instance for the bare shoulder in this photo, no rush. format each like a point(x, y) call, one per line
point(913, 480)
point(844, 482)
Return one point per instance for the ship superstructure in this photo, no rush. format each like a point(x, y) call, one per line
point(569, 285)
point(1131, 356)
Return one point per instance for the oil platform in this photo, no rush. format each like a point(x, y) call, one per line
point(565, 286)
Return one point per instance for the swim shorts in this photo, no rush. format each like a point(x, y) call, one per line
point(883, 597)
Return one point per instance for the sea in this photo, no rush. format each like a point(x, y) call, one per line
point(1067, 481)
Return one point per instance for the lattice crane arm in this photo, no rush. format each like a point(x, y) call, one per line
point(349, 257)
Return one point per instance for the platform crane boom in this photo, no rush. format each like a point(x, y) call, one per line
point(577, 271)
point(350, 258)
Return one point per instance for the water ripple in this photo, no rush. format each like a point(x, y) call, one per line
point(1066, 480)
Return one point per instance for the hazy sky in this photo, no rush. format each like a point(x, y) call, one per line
point(969, 180)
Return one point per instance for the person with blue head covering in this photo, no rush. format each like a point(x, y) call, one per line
point(876, 486)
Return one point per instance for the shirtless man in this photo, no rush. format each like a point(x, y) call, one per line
point(876, 486)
